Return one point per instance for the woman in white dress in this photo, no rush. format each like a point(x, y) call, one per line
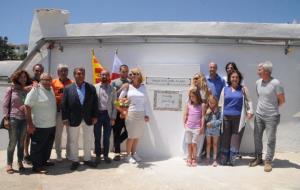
point(138, 113)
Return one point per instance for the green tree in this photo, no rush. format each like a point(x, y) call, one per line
point(6, 51)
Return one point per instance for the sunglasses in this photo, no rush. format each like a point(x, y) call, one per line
point(135, 74)
point(196, 78)
point(47, 80)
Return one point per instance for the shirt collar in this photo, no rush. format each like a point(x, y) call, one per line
point(217, 77)
point(82, 86)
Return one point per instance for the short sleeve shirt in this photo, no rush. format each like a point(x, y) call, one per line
point(43, 107)
point(215, 85)
point(267, 92)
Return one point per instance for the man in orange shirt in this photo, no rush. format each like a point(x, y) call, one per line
point(58, 86)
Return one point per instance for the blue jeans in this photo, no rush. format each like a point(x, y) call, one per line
point(16, 132)
point(103, 121)
point(269, 123)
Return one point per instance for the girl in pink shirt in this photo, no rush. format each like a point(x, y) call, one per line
point(193, 124)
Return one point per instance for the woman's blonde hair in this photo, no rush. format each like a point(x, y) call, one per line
point(202, 84)
point(137, 71)
point(211, 98)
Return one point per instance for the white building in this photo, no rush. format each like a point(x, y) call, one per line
point(173, 51)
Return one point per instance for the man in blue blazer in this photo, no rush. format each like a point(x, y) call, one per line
point(80, 110)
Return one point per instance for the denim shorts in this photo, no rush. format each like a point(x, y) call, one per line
point(212, 131)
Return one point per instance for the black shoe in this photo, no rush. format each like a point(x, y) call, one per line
point(90, 164)
point(49, 164)
point(239, 156)
point(232, 161)
point(117, 158)
point(27, 160)
point(98, 160)
point(223, 161)
point(107, 160)
point(74, 166)
point(39, 170)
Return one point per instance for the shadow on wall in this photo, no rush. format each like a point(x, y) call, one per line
point(247, 144)
point(152, 145)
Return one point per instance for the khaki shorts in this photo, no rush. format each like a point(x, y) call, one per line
point(191, 135)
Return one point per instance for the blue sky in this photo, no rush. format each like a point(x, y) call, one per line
point(16, 15)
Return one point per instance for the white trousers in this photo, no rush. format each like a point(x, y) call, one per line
point(59, 135)
point(88, 136)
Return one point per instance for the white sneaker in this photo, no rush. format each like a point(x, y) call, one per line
point(130, 160)
point(136, 157)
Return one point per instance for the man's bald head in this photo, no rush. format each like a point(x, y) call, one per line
point(213, 67)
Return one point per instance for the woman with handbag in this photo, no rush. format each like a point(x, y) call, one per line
point(14, 112)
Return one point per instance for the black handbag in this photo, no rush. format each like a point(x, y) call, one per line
point(5, 123)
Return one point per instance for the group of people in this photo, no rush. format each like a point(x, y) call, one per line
point(39, 108)
point(217, 111)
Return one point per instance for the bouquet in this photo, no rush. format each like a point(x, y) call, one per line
point(122, 105)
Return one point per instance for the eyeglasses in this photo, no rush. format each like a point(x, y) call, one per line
point(196, 78)
point(136, 74)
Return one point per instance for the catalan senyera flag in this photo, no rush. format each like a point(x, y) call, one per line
point(97, 68)
point(116, 67)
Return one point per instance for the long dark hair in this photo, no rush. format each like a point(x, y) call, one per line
point(232, 64)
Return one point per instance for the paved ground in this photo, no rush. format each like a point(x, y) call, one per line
point(165, 174)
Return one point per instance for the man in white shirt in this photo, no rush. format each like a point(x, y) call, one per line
point(41, 120)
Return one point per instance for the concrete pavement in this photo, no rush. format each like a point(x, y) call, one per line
point(164, 174)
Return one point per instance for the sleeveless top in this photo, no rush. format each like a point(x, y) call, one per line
point(194, 116)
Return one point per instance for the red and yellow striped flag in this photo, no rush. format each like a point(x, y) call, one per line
point(97, 68)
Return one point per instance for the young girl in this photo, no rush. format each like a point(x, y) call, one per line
point(193, 123)
point(213, 121)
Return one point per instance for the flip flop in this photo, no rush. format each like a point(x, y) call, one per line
point(189, 163)
point(10, 171)
point(21, 167)
point(215, 163)
point(194, 163)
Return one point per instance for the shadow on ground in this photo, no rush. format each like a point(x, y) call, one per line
point(63, 167)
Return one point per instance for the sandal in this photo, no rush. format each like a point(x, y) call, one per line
point(189, 162)
point(21, 167)
point(194, 163)
point(207, 161)
point(10, 170)
point(215, 163)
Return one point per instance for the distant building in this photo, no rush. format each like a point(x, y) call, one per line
point(19, 49)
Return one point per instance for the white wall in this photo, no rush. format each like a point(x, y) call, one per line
point(165, 132)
